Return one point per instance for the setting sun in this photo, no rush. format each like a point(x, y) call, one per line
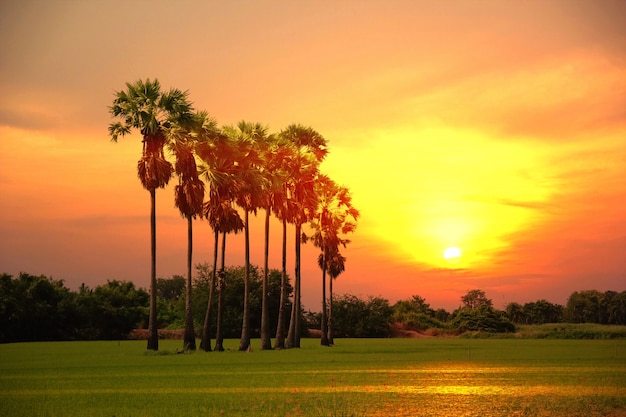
point(452, 253)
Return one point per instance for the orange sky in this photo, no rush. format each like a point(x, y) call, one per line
point(497, 127)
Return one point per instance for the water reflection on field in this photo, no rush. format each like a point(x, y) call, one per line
point(445, 390)
point(440, 389)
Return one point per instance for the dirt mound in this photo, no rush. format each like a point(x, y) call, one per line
point(399, 330)
point(142, 334)
point(315, 333)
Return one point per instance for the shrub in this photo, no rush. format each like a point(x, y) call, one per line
point(353, 317)
point(419, 321)
point(483, 318)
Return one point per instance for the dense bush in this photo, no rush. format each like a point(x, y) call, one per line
point(596, 307)
point(573, 331)
point(421, 321)
point(41, 308)
point(482, 318)
point(113, 310)
point(538, 312)
point(31, 306)
point(233, 299)
point(353, 317)
point(416, 314)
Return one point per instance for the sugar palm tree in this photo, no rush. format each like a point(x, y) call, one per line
point(144, 107)
point(335, 216)
point(230, 222)
point(189, 194)
point(224, 219)
point(309, 150)
point(218, 169)
point(188, 197)
point(284, 209)
point(273, 153)
point(249, 197)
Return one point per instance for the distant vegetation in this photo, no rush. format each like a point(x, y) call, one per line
point(37, 308)
point(572, 331)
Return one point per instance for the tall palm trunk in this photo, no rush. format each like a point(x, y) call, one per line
point(298, 294)
point(266, 342)
point(331, 340)
point(324, 338)
point(221, 283)
point(293, 336)
point(189, 342)
point(244, 342)
point(153, 332)
point(205, 342)
point(279, 343)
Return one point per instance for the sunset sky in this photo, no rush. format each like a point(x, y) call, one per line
point(498, 127)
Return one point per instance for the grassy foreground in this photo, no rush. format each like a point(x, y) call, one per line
point(364, 377)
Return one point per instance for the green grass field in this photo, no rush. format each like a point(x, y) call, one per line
point(364, 377)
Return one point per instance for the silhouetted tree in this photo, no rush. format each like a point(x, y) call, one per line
point(309, 150)
point(585, 307)
point(481, 318)
point(475, 298)
point(354, 317)
point(515, 312)
point(144, 107)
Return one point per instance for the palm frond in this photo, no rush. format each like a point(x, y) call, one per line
point(189, 197)
point(118, 129)
point(154, 171)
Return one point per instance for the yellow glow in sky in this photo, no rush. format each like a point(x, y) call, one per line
point(433, 188)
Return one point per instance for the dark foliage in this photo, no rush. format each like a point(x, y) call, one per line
point(475, 298)
point(114, 309)
point(353, 317)
point(538, 312)
point(31, 306)
point(40, 308)
point(596, 307)
point(416, 314)
point(483, 318)
point(171, 311)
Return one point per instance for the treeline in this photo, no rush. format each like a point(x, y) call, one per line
point(172, 300)
point(582, 307)
point(477, 313)
point(39, 308)
point(376, 317)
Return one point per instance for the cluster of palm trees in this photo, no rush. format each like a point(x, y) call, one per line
point(224, 173)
